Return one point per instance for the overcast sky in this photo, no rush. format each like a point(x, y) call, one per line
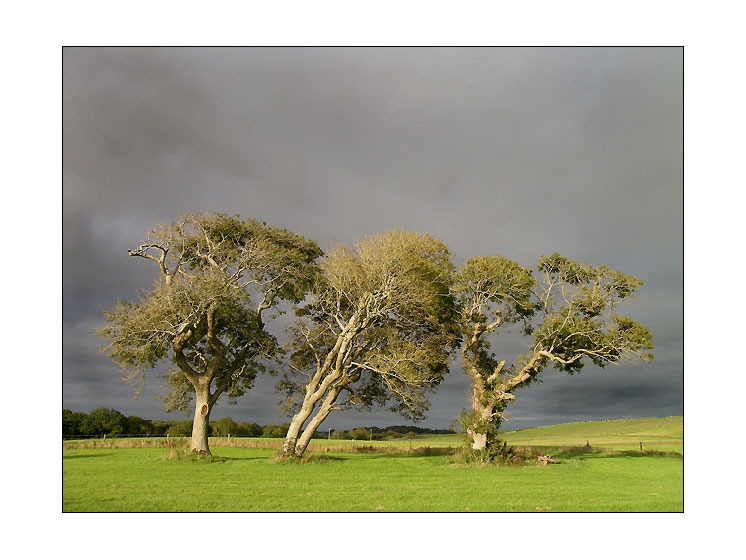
point(518, 152)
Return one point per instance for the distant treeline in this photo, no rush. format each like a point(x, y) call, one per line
point(110, 422)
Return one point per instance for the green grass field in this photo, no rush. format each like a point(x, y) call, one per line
point(240, 478)
point(655, 434)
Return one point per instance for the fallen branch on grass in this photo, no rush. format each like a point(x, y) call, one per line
point(544, 459)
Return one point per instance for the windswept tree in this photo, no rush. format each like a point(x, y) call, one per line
point(568, 313)
point(217, 278)
point(376, 330)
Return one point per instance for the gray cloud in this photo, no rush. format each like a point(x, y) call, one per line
point(520, 152)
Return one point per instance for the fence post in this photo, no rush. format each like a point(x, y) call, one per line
point(640, 447)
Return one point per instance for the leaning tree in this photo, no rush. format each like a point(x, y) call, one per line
point(376, 330)
point(218, 277)
point(568, 315)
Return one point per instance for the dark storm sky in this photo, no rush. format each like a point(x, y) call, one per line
point(519, 152)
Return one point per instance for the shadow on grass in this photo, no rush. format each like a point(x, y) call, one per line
point(66, 457)
point(187, 456)
point(209, 459)
point(644, 454)
point(415, 452)
point(589, 452)
point(310, 458)
point(609, 454)
point(231, 459)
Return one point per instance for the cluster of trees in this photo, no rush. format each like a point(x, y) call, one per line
point(100, 421)
point(378, 434)
point(376, 323)
point(110, 422)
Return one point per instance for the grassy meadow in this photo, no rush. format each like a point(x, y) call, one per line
point(655, 434)
point(351, 476)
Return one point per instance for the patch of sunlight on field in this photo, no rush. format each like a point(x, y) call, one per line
point(385, 476)
point(655, 434)
point(249, 479)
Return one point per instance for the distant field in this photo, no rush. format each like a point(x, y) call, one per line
point(423, 440)
point(656, 434)
point(242, 478)
point(317, 445)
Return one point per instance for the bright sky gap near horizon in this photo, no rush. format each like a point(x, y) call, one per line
point(519, 152)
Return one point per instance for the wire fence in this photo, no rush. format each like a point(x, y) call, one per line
point(66, 437)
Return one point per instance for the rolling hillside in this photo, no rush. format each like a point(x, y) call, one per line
point(656, 434)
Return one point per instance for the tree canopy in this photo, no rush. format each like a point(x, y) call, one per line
point(218, 275)
point(375, 322)
point(376, 331)
point(568, 315)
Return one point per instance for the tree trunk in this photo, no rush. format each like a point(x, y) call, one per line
point(315, 390)
point(478, 441)
point(324, 410)
point(201, 422)
point(305, 438)
point(291, 438)
point(481, 413)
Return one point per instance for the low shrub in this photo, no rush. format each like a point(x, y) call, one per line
point(308, 458)
point(499, 453)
